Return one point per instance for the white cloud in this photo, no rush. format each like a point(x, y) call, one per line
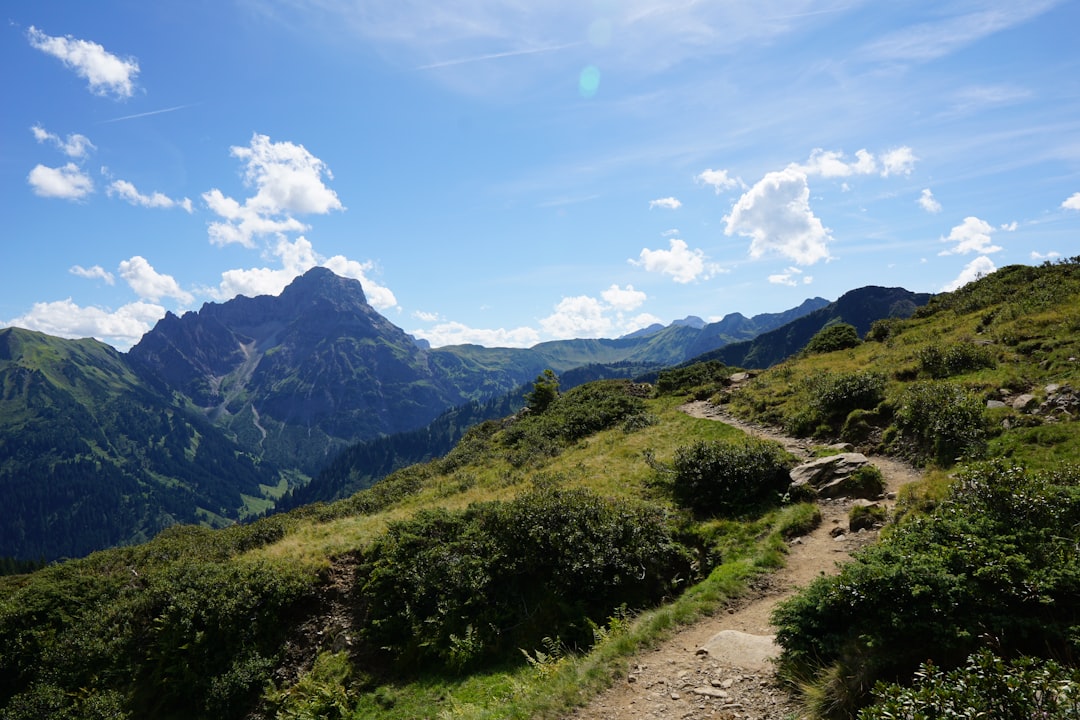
point(624, 299)
point(1072, 203)
point(898, 161)
point(977, 268)
point(1047, 256)
point(93, 273)
point(428, 317)
point(121, 328)
point(718, 180)
point(574, 317)
point(791, 277)
point(970, 236)
point(928, 202)
point(149, 284)
point(831, 163)
point(1010, 227)
point(638, 322)
point(775, 213)
point(668, 203)
point(68, 182)
point(106, 73)
point(75, 146)
point(127, 191)
point(455, 333)
point(297, 258)
point(680, 262)
point(287, 180)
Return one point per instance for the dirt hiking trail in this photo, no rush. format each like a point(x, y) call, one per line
point(720, 667)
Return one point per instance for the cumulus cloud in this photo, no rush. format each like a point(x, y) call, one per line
point(455, 333)
point(791, 277)
point(106, 73)
point(668, 203)
point(149, 284)
point(75, 146)
point(580, 316)
point(128, 192)
point(718, 180)
point(1072, 203)
point(775, 213)
point(977, 268)
point(928, 202)
point(428, 317)
point(287, 179)
point(93, 273)
point(297, 258)
point(898, 161)
point(679, 261)
point(68, 182)
point(831, 163)
point(121, 328)
point(1045, 256)
point(970, 236)
point(624, 299)
point(1010, 227)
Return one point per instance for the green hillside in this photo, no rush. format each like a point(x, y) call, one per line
point(513, 577)
point(91, 457)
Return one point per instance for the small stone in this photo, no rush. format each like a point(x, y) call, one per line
point(711, 692)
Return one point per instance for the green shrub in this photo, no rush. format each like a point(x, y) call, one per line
point(941, 422)
point(831, 338)
point(942, 362)
point(985, 687)
point(461, 589)
point(835, 395)
point(711, 374)
point(865, 517)
point(729, 478)
point(996, 559)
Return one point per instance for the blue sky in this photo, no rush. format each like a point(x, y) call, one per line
point(511, 172)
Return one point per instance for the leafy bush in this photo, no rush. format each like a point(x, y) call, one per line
point(458, 589)
point(729, 478)
point(942, 362)
point(831, 338)
point(985, 687)
point(995, 560)
point(837, 394)
point(941, 422)
point(710, 374)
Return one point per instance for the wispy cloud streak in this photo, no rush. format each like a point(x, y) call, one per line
point(495, 56)
point(147, 114)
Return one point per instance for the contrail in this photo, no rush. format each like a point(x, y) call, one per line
point(495, 56)
point(145, 114)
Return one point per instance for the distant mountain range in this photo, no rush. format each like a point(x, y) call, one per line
point(213, 415)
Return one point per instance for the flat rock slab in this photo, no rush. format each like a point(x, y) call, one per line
point(742, 650)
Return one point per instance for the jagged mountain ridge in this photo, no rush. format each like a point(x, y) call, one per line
point(213, 414)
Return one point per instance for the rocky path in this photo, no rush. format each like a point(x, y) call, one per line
point(720, 667)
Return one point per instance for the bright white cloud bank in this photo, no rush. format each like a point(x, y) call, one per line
point(288, 180)
point(679, 261)
point(718, 180)
point(970, 236)
point(149, 284)
point(129, 193)
point(977, 268)
point(668, 203)
point(106, 73)
point(75, 146)
point(928, 202)
point(93, 273)
point(1073, 203)
point(121, 328)
point(775, 213)
point(68, 182)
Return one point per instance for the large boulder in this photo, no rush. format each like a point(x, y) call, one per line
point(831, 477)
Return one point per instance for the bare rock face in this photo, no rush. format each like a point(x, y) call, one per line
point(830, 476)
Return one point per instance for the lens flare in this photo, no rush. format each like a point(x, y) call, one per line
point(589, 81)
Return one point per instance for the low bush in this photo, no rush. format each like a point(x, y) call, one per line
point(942, 422)
point(831, 338)
point(942, 362)
point(711, 374)
point(835, 395)
point(729, 478)
point(985, 687)
point(995, 561)
point(460, 589)
point(865, 517)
